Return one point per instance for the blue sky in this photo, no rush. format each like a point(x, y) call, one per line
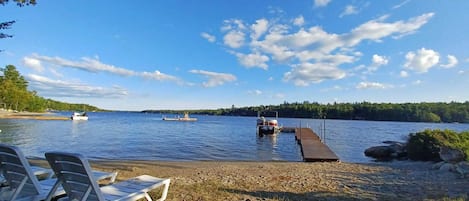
point(200, 54)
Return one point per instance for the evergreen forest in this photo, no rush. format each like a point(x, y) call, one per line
point(453, 112)
point(14, 95)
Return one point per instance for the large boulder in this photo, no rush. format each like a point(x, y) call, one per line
point(393, 150)
point(448, 167)
point(451, 155)
point(379, 152)
point(398, 149)
point(463, 168)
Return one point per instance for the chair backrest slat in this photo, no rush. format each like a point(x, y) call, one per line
point(15, 168)
point(75, 173)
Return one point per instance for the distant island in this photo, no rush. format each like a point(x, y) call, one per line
point(453, 112)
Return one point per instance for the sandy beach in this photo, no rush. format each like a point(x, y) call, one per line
point(4, 114)
point(245, 181)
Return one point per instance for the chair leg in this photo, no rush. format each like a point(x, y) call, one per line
point(165, 190)
point(114, 176)
point(147, 196)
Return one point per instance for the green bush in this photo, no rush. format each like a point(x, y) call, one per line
point(425, 145)
point(463, 143)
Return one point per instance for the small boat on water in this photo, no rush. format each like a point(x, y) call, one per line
point(185, 118)
point(79, 116)
point(267, 126)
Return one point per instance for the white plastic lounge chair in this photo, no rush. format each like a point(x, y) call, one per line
point(22, 183)
point(21, 180)
point(74, 174)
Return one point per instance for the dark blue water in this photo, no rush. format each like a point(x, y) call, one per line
point(126, 135)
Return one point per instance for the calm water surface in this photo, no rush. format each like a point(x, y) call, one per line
point(126, 135)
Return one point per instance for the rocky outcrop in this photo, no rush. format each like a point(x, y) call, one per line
point(453, 161)
point(461, 168)
point(392, 151)
point(451, 155)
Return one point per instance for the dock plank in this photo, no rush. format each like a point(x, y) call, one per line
point(312, 148)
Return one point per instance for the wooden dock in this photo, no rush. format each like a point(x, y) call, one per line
point(312, 149)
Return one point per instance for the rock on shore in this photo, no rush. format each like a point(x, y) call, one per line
point(392, 151)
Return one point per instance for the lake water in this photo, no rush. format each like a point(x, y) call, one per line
point(140, 136)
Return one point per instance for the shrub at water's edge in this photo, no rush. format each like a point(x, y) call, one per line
point(426, 145)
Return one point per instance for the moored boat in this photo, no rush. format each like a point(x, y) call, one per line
point(267, 126)
point(79, 116)
point(185, 118)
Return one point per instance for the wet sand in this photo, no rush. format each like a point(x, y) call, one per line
point(213, 180)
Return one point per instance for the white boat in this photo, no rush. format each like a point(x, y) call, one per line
point(79, 116)
point(185, 118)
point(267, 126)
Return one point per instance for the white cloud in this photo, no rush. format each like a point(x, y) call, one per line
point(234, 39)
point(235, 33)
point(278, 52)
point(377, 29)
point(55, 72)
point(452, 61)
point(321, 3)
point(417, 82)
point(87, 64)
point(255, 92)
point(404, 74)
point(422, 60)
point(275, 11)
point(157, 75)
point(401, 4)
point(349, 10)
point(376, 62)
point(306, 73)
point(95, 66)
point(214, 78)
point(372, 85)
point(33, 63)
point(271, 41)
point(253, 60)
point(379, 60)
point(59, 88)
point(233, 24)
point(259, 28)
point(299, 21)
point(210, 38)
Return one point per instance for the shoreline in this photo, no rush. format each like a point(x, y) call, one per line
point(237, 180)
point(30, 115)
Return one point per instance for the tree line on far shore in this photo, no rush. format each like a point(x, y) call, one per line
point(409, 112)
point(14, 95)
